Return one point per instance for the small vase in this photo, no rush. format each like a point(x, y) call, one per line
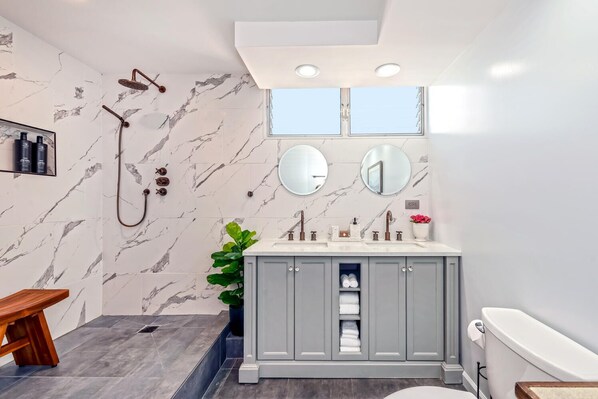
point(421, 231)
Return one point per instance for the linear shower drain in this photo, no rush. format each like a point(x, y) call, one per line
point(148, 329)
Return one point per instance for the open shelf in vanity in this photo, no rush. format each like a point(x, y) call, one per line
point(351, 313)
point(399, 321)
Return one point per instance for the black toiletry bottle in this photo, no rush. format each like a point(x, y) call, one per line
point(23, 154)
point(40, 160)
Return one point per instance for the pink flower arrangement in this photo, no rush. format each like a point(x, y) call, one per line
point(420, 219)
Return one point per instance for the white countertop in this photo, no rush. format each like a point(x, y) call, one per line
point(349, 248)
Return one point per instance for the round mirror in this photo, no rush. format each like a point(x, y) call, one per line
point(385, 169)
point(303, 170)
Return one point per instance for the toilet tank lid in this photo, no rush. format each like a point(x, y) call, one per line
point(545, 348)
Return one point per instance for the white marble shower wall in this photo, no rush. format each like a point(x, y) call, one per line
point(51, 227)
point(207, 130)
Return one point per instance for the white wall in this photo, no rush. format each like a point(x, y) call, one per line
point(515, 182)
point(215, 149)
point(51, 227)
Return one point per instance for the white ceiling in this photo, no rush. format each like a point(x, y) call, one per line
point(197, 36)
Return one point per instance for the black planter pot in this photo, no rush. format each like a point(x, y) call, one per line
point(235, 314)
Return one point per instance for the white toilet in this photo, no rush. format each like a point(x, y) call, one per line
point(519, 348)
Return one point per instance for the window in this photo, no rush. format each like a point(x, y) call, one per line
point(336, 112)
point(386, 110)
point(305, 112)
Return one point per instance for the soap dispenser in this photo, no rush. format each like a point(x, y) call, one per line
point(355, 230)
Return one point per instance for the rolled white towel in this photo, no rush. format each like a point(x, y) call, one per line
point(348, 309)
point(350, 332)
point(345, 282)
point(349, 298)
point(350, 341)
point(349, 324)
point(353, 283)
point(350, 349)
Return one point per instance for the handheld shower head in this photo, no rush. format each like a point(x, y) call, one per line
point(135, 85)
point(120, 118)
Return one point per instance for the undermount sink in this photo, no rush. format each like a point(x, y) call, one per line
point(397, 243)
point(296, 244)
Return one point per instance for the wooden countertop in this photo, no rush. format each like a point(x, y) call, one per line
point(556, 390)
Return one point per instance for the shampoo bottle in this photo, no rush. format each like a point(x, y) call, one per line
point(40, 156)
point(22, 154)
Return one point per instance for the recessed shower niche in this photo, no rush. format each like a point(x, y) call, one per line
point(27, 149)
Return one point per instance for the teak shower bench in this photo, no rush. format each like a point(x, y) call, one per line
point(22, 320)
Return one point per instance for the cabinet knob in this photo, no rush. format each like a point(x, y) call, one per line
point(410, 268)
point(291, 268)
point(296, 269)
point(403, 269)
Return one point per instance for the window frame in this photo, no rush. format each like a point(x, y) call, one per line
point(345, 120)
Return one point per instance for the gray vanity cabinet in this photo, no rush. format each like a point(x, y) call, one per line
point(388, 309)
point(425, 308)
point(408, 314)
point(294, 308)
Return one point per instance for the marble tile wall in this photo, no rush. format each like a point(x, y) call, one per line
point(51, 227)
point(207, 130)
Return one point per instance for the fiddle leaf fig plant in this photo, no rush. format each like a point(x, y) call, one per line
point(230, 263)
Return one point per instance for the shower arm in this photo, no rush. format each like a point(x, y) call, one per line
point(120, 118)
point(137, 71)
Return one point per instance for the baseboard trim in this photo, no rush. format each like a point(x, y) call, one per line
point(471, 386)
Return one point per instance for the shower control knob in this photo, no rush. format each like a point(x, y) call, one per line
point(161, 191)
point(162, 181)
point(161, 171)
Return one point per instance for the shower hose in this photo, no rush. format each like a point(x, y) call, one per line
point(145, 192)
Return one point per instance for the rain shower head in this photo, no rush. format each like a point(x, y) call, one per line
point(133, 84)
point(136, 85)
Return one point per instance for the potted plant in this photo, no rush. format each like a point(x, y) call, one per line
point(421, 227)
point(230, 263)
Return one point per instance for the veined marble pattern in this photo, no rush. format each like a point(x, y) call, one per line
point(51, 227)
point(213, 143)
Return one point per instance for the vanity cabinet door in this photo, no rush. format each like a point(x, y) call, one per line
point(275, 308)
point(388, 309)
point(425, 308)
point(313, 308)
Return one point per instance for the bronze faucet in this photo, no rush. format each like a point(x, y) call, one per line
point(302, 232)
point(388, 219)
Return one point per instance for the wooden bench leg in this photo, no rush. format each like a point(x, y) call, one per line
point(41, 350)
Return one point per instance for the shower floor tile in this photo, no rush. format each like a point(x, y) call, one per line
point(107, 358)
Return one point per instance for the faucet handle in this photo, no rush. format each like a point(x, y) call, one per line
point(313, 235)
point(291, 233)
point(375, 235)
point(399, 236)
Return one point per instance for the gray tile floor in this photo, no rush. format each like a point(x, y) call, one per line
point(108, 359)
point(225, 386)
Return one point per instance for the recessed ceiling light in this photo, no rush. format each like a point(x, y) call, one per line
point(307, 71)
point(387, 70)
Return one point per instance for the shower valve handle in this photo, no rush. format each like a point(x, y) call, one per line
point(161, 191)
point(161, 171)
point(162, 181)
